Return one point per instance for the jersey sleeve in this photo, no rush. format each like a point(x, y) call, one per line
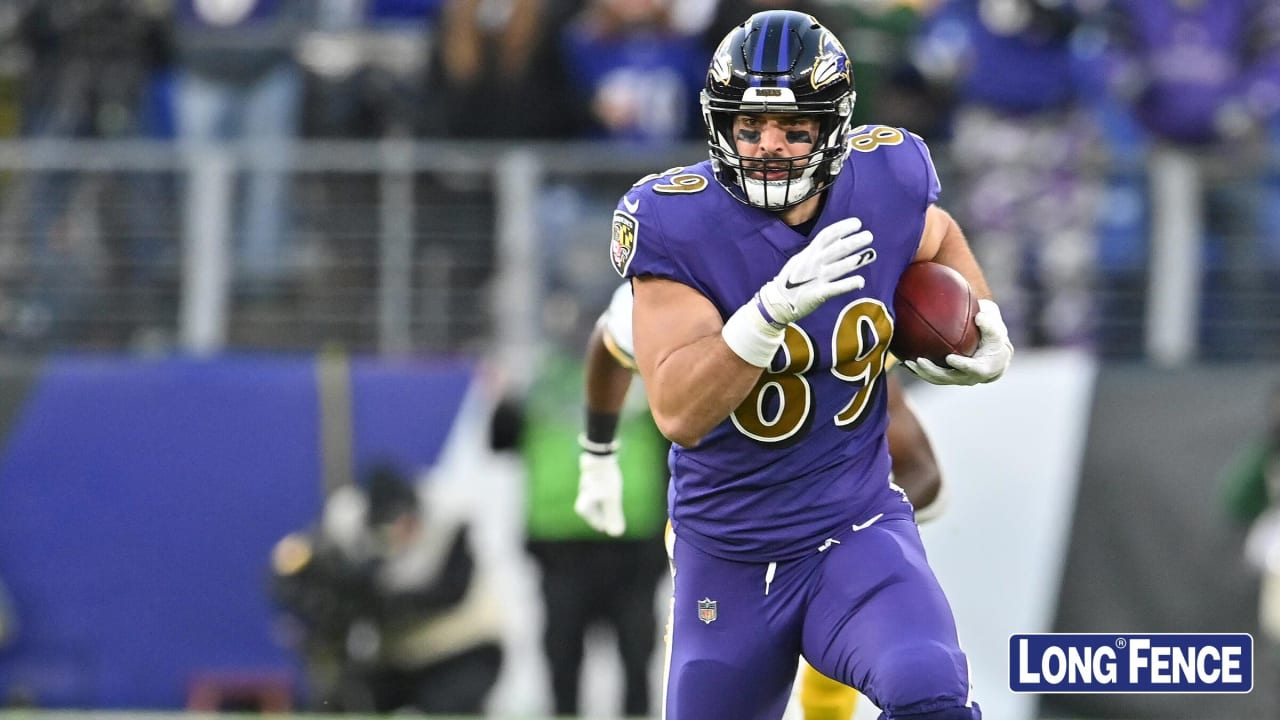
point(637, 243)
point(616, 325)
point(931, 173)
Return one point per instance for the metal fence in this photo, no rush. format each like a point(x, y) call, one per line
point(462, 248)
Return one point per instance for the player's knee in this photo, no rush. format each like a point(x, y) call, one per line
point(703, 689)
point(923, 677)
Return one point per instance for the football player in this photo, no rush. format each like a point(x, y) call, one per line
point(610, 367)
point(763, 282)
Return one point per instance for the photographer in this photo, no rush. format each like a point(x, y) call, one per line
point(391, 607)
point(1252, 484)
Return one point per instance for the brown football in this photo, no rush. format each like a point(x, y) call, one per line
point(934, 309)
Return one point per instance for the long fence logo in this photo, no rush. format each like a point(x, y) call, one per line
point(1131, 663)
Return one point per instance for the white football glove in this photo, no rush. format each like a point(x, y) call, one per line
point(989, 361)
point(600, 493)
point(818, 272)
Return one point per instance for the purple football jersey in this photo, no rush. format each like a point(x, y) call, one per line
point(805, 453)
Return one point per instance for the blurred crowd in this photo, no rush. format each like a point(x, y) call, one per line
point(1022, 100)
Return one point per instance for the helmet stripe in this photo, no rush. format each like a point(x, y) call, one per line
point(781, 65)
point(761, 39)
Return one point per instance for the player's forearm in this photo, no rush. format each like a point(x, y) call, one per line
point(954, 251)
point(943, 242)
point(917, 473)
point(915, 467)
point(607, 381)
point(693, 389)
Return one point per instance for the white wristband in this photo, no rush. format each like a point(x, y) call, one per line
point(598, 448)
point(751, 337)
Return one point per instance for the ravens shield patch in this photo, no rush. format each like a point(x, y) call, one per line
point(622, 246)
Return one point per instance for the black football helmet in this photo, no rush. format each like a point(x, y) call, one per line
point(779, 61)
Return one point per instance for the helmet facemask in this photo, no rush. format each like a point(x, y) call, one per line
point(807, 175)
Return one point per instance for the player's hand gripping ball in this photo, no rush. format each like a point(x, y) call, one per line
point(943, 333)
point(934, 309)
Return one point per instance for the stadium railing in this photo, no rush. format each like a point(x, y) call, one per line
point(454, 247)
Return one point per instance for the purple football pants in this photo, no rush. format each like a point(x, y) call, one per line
point(866, 610)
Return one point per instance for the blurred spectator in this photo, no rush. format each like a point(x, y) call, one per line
point(879, 36)
point(394, 609)
point(1021, 138)
point(1202, 78)
point(632, 74)
point(366, 66)
point(238, 79)
point(1252, 485)
point(633, 78)
point(497, 71)
point(589, 578)
point(1197, 71)
point(93, 70)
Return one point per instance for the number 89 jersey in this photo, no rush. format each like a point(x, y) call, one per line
point(805, 453)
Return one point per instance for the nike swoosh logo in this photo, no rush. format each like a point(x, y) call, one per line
point(789, 285)
point(631, 205)
point(867, 524)
point(865, 258)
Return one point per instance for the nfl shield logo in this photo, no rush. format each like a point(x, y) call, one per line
point(707, 610)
